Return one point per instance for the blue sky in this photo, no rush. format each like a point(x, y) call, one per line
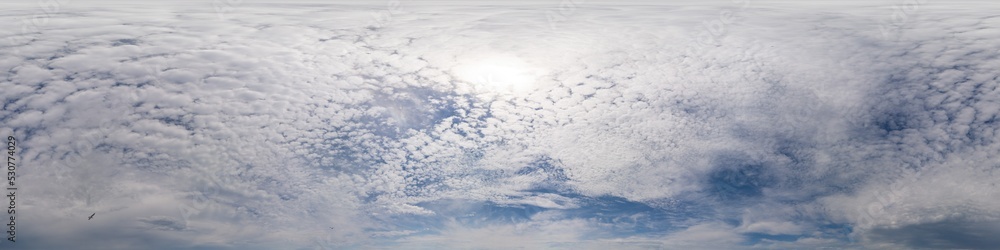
point(486, 125)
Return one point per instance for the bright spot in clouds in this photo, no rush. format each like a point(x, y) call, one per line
point(497, 72)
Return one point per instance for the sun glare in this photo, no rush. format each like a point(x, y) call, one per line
point(498, 72)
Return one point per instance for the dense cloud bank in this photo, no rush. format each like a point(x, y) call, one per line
point(548, 125)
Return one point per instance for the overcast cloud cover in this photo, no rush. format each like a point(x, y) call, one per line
point(495, 125)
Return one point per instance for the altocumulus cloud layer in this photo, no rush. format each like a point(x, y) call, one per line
point(261, 125)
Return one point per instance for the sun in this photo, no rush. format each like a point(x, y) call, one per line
point(498, 72)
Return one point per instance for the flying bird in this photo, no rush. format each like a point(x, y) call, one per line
point(91, 216)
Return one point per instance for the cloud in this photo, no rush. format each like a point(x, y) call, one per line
point(314, 125)
point(163, 223)
point(704, 236)
point(949, 234)
point(771, 227)
point(523, 235)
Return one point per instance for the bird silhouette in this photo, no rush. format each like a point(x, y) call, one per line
point(91, 216)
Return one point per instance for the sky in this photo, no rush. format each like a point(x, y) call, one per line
point(562, 124)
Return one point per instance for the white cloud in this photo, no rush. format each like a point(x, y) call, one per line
point(705, 235)
point(532, 235)
point(278, 122)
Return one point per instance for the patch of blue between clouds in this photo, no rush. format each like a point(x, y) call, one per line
point(735, 179)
